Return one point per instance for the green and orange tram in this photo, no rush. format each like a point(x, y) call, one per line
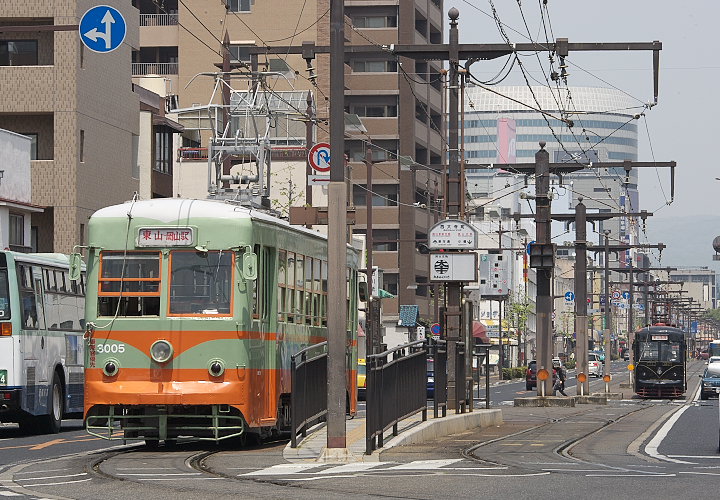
point(194, 309)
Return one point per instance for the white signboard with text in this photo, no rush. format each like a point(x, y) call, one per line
point(453, 266)
point(452, 234)
point(166, 237)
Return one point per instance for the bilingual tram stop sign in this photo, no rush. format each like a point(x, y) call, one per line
point(452, 234)
point(102, 29)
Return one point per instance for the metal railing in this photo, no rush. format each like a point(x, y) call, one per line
point(158, 19)
point(193, 153)
point(308, 401)
point(154, 68)
point(438, 350)
point(482, 355)
point(396, 389)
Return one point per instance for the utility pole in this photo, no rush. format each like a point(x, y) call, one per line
point(453, 200)
point(337, 239)
point(372, 315)
point(581, 320)
point(544, 300)
point(308, 144)
point(608, 328)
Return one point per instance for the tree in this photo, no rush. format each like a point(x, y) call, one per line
point(517, 312)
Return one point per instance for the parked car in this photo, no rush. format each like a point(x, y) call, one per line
point(704, 354)
point(531, 375)
point(361, 379)
point(710, 381)
point(595, 366)
point(713, 360)
point(626, 354)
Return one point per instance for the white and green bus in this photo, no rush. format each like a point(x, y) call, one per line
point(42, 319)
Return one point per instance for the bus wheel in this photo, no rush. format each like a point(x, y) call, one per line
point(50, 423)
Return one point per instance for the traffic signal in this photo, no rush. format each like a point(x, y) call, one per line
point(542, 255)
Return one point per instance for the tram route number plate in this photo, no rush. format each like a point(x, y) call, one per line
point(3, 377)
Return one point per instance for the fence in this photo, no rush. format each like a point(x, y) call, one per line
point(396, 389)
point(309, 390)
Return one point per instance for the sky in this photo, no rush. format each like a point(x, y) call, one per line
point(682, 127)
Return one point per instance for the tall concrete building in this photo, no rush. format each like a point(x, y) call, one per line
point(399, 103)
point(77, 106)
point(507, 130)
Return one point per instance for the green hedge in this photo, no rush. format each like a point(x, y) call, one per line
point(515, 372)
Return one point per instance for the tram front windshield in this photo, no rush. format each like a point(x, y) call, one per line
point(659, 351)
point(4, 295)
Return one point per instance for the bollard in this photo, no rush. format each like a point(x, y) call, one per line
point(581, 378)
point(606, 379)
point(542, 376)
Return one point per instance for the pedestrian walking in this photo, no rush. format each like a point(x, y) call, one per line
point(559, 381)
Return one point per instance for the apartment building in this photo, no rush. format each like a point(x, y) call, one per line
point(77, 106)
point(399, 103)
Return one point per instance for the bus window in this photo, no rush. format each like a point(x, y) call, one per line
point(4, 295)
point(201, 282)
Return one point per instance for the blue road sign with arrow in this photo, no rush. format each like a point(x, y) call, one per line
point(102, 29)
point(569, 296)
point(626, 295)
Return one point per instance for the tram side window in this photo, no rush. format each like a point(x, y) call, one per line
point(129, 284)
point(282, 281)
point(201, 283)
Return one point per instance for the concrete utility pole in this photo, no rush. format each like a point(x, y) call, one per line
point(308, 144)
point(337, 239)
point(544, 300)
point(372, 315)
point(581, 320)
point(453, 201)
point(608, 326)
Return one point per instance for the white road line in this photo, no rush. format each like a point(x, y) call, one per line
point(701, 473)
point(178, 478)
point(43, 471)
point(355, 467)
point(56, 484)
point(630, 475)
point(695, 456)
point(425, 464)
point(53, 477)
point(146, 468)
point(282, 469)
point(652, 447)
point(10, 494)
point(421, 475)
point(168, 474)
point(575, 470)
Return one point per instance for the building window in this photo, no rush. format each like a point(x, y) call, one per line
point(374, 110)
point(17, 230)
point(383, 195)
point(375, 66)
point(239, 5)
point(375, 22)
point(18, 52)
point(82, 146)
point(240, 53)
point(163, 150)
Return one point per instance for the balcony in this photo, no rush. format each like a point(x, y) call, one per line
point(192, 154)
point(158, 19)
point(155, 68)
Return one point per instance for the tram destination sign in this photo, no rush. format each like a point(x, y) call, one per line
point(166, 237)
point(452, 234)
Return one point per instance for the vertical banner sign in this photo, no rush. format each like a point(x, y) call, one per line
point(506, 140)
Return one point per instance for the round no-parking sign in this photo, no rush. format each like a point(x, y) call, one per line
point(319, 157)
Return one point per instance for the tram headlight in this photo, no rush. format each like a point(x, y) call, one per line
point(161, 351)
point(111, 368)
point(216, 367)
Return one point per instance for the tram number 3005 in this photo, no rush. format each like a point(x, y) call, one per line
point(110, 348)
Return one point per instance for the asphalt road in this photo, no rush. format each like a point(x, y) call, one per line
point(648, 449)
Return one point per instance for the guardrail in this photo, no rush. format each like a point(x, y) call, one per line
point(193, 153)
point(308, 397)
point(438, 350)
point(396, 389)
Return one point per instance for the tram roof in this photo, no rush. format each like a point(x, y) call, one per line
point(181, 210)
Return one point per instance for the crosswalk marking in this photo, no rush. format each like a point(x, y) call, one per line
point(282, 469)
point(425, 464)
point(356, 467)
